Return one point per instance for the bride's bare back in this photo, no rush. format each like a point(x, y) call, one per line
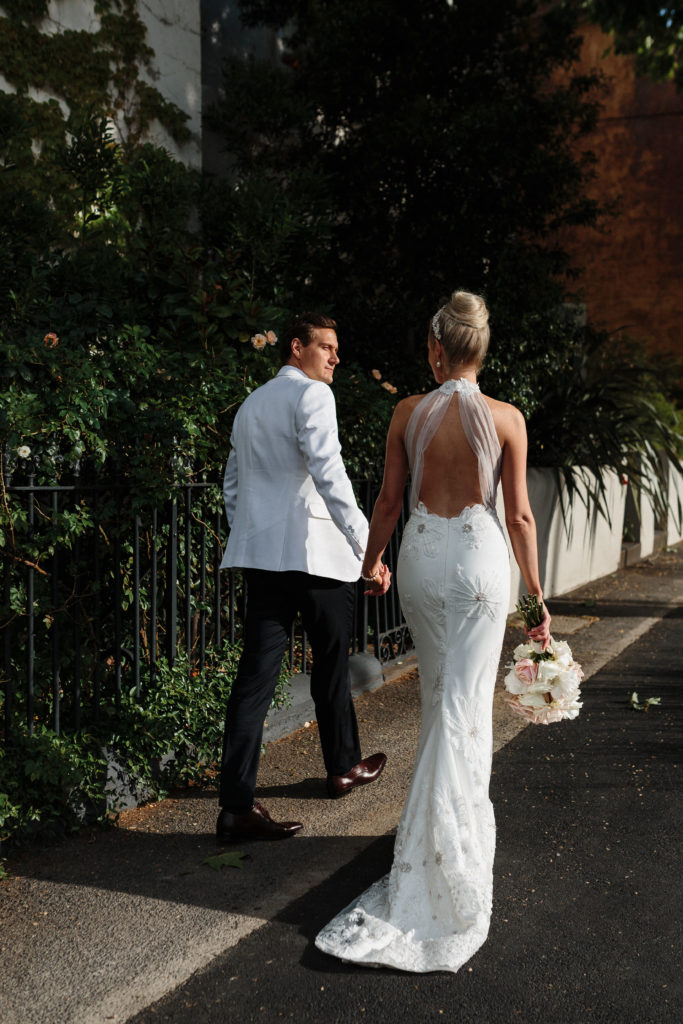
point(450, 477)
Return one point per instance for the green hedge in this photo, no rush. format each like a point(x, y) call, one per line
point(170, 736)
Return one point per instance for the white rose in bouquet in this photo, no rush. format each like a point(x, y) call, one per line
point(536, 701)
point(547, 674)
point(562, 653)
point(565, 707)
point(566, 685)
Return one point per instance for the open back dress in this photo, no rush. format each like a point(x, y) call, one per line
point(432, 911)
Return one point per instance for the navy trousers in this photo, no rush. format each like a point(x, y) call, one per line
point(273, 601)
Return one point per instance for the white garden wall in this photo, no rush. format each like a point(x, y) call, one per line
point(584, 549)
point(674, 523)
point(648, 525)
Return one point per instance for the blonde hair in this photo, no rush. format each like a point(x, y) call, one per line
point(462, 327)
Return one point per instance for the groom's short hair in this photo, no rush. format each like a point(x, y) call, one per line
point(302, 327)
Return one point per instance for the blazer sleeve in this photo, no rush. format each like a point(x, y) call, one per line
point(318, 438)
point(230, 486)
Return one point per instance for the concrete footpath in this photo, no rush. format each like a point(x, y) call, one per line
point(131, 924)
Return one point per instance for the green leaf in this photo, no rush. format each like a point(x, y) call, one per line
point(637, 706)
point(231, 859)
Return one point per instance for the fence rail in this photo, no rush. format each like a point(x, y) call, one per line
point(82, 621)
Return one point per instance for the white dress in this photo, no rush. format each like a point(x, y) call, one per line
point(432, 911)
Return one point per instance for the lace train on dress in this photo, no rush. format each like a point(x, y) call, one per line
point(432, 911)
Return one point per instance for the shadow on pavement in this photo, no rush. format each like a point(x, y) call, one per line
point(171, 868)
point(637, 608)
point(306, 789)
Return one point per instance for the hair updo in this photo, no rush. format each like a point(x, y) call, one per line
point(462, 327)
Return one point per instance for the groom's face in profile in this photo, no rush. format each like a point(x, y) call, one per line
point(319, 358)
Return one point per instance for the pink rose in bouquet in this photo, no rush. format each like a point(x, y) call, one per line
point(526, 671)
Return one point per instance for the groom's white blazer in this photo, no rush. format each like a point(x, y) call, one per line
point(289, 503)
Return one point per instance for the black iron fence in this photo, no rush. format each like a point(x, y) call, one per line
point(95, 593)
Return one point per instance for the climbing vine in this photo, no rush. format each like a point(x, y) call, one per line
point(73, 120)
point(98, 70)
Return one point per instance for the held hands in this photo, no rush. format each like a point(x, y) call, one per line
point(378, 582)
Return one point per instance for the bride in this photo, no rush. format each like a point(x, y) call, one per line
point(432, 911)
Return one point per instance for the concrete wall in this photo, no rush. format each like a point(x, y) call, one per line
point(174, 33)
point(648, 526)
point(584, 548)
point(646, 531)
point(674, 523)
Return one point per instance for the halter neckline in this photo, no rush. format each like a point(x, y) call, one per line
point(459, 384)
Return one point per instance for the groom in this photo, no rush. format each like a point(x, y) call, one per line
point(299, 536)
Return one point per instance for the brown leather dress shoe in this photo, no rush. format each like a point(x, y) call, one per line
point(360, 775)
point(255, 824)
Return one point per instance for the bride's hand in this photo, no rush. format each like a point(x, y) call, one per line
point(381, 585)
point(541, 634)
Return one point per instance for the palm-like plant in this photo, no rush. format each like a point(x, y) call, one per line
point(611, 408)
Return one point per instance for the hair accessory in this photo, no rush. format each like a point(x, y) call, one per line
point(438, 362)
point(436, 330)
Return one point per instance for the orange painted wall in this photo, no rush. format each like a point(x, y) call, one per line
point(633, 270)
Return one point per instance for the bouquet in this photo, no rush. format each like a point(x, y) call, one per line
point(543, 686)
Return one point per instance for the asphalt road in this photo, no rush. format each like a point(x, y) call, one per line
point(586, 927)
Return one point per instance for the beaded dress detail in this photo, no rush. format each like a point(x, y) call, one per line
point(432, 911)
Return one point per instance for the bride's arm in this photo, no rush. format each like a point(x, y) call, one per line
point(390, 498)
point(519, 518)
